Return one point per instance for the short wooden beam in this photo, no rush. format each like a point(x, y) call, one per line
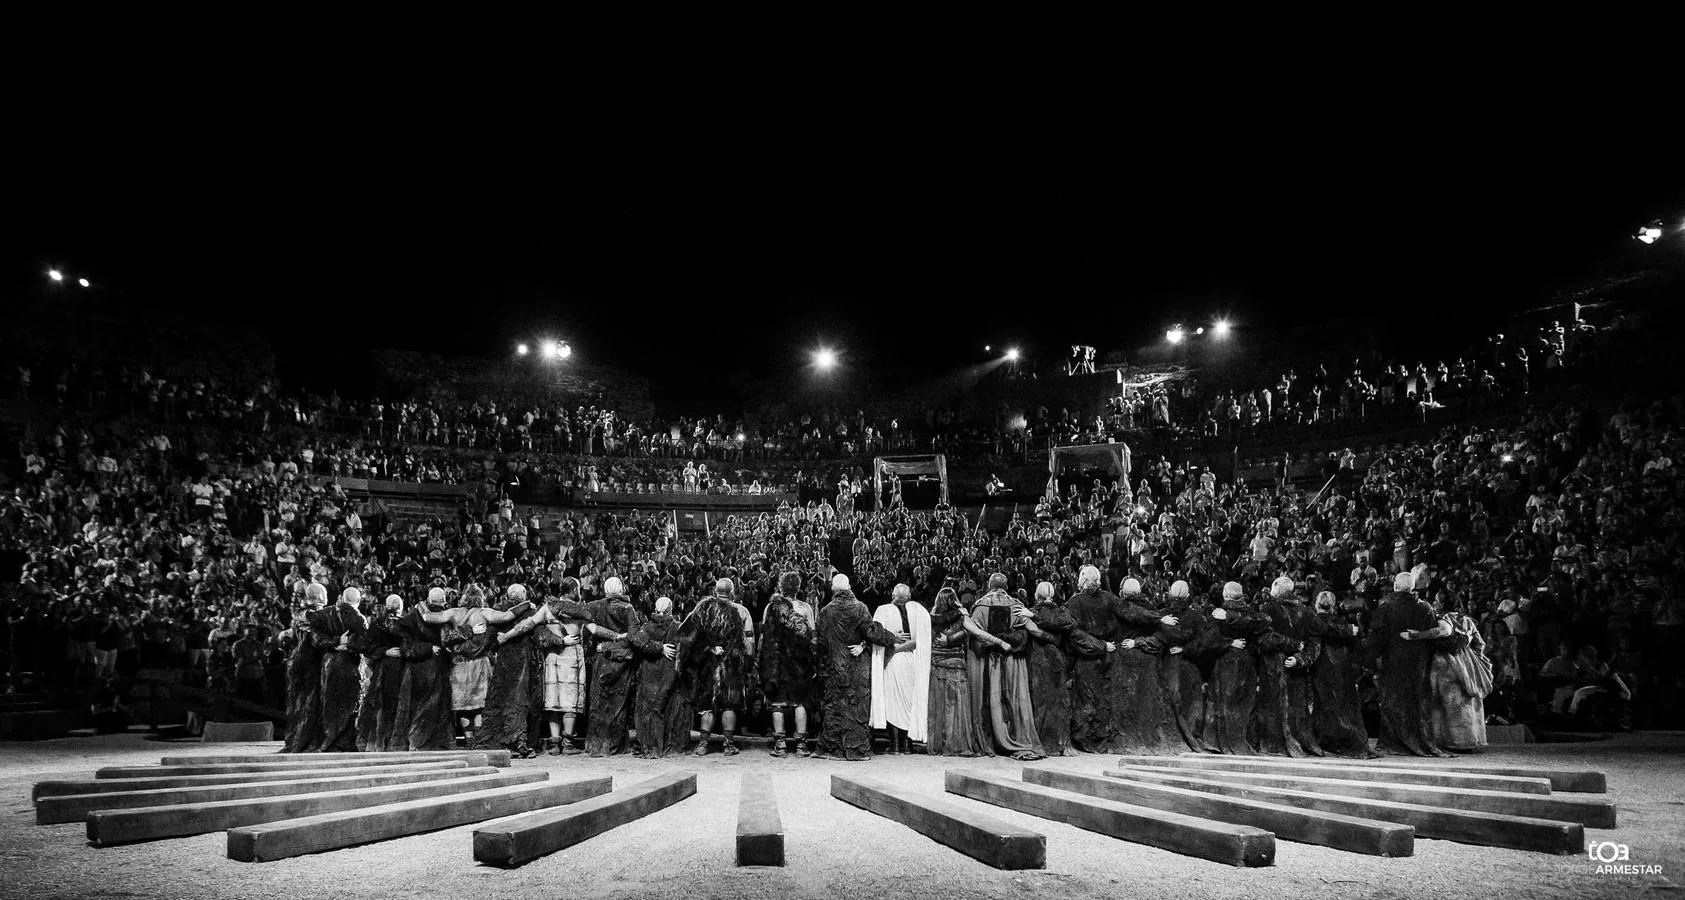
point(760, 830)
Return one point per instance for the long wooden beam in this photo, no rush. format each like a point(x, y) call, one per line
point(516, 841)
point(472, 759)
point(1284, 766)
point(113, 785)
point(76, 807)
point(1586, 781)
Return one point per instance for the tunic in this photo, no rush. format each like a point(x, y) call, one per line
point(846, 733)
point(901, 679)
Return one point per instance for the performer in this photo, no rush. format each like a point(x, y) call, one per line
point(1141, 702)
point(559, 628)
point(1093, 611)
point(304, 678)
point(953, 729)
point(1285, 654)
point(1337, 715)
point(1051, 629)
point(1459, 678)
point(614, 678)
point(1188, 647)
point(845, 628)
point(716, 643)
point(901, 674)
point(1399, 634)
point(514, 691)
point(466, 634)
point(1234, 673)
point(999, 675)
point(335, 630)
point(382, 649)
point(789, 638)
point(662, 713)
point(424, 699)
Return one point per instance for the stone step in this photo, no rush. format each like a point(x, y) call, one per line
point(760, 830)
point(1235, 845)
point(978, 835)
point(1572, 780)
point(520, 840)
point(1342, 832)
point(1282, 766)
point(76, 807)
point(270, 841)
point(1484, 829)
point(112, 785)
point(123, 826)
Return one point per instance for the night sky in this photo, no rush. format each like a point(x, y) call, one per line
point(907, 257)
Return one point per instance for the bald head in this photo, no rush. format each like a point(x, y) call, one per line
point(725, 587)
point(664, 605)
point(1131, 587)
point(517, 593)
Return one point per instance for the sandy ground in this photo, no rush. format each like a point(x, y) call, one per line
point(686, 851)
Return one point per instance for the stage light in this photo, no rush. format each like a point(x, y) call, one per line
point(1508, 458)
point(82, 281)
point(1199, 330)
point(1175, 335)
point(1220, 327)
point(825, 357)
point(988, 348)
point(55, 274)
point(564, 350)
point(521, 349)
point(1649, 234)
point(1012, 355)
point(548, 349)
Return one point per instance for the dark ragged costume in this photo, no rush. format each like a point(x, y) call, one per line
point(1000, 679)
point(1140, 709)
point(424, 699)
point(1093, 726)
point(1182, 676)
point(661, 713)
point(1402, 673)
point(1050, 674)
point(377, 717)
point(1233, 688)
point(341, 674)
point(1337, 714)
point(1282, 709)
point(614, 678)
point(514, 694)
point(844, 622)
point(304, 693)
point(787, 654)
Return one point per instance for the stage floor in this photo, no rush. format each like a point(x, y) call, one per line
point(833, 849)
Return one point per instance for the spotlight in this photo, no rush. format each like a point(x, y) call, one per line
point(82, 281)
point(1175, 335)
point(988, 347)
point(1649, 235)
point(549, 349)
point(825, 357)
point(55, 274)
point(1220, 327)
point(522, 349)
point(1199, 330)
point(1012, 354)
point(563, 350)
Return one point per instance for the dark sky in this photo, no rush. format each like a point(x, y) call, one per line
point(691, 256)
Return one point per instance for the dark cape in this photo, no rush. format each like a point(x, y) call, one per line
point(1050, 675)
point(1402, 673)
point(1281, 714)
point(424, 699)
point(1182, 675)
point(378, 715)
point(845, 621)
point(716, 683)
point(614, 679)
point(1093, 726)
point(786, 654)
point(515, 692)
point(953, 727)
point(661, 713)
point(1140, 708)
point(304, 694)
point(342, 679)
point(1337, 714)
point(1000, 679)
point(1233, 688)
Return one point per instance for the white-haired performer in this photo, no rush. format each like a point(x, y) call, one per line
point(1233, 688)
point(901, 673)
point(338, 633)
point(614, 675)
point(1093, 611)
point(304, 677)
point(1189, 645)
point(1136, 676)
point(1399, 633)
point(382, 647)
point(424, 699)
point(1337, 714)
point(1285, 654)
point(662, 713)
point(1052, 630)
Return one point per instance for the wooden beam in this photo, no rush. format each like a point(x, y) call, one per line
point(979, 836)
point(760, 830)
point(122, 826)
point(499, 758)
point(1584, 781)
point(293, 765)
point(1284, 766)
point(113, 785)
point(1484, 829)
point(1588, 811)
point(76, 807)
point(1235, 845)
point(1342, 832)
point(516, 841)
point(333, 831)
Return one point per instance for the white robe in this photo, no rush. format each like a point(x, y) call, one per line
point(901, 689)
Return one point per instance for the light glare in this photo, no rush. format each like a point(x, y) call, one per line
point(1175, 335)
point(522, 349)
point(825, 358)
point(1012, 355)
point(82, 281)
point(1220, 327)
point(55, 274)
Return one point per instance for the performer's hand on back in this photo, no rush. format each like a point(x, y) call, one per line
point(719, 651)
point(1175, 651)
point(1127, 643)
point(1238, 643)
point(854, 649)
point(1169, 620)
point(1290, 661)
point(1404, 635)
point(392, 651)
point(1111, 646)
point(671, 651)
point(1220, 614)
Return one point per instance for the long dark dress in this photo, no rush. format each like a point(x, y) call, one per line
point(1000, 680)
point(507, 720)
point(1233, 688)
point(845, 621)
point(1402, 677)
point(1093, 724)
point(614, 679)
point(1274, 715)
point(341, 677)
point(662, 712)
point(1337, 715)
point(304, 694)
point(1181, 676)
point(953, 726)
point(378, 714)
point(424, 699)
point(1139, 706)
point(717, 683)
point(786, 654)
point(1050, 675)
